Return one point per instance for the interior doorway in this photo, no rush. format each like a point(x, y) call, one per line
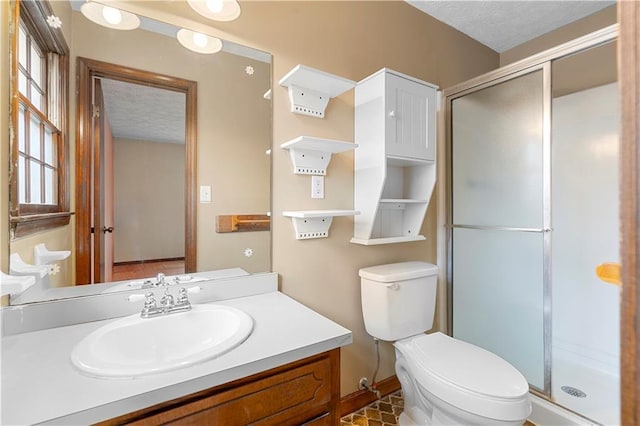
point(132, 236)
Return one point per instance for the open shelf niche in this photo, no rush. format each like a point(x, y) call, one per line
point(310, 89)
point(314, 223)
point(311, 156)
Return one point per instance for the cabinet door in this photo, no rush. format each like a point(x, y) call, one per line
point(410, 118)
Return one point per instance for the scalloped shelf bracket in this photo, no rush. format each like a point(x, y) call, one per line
point(310, 89)
point(43, 256)
point(311, 156)
point(314, 223)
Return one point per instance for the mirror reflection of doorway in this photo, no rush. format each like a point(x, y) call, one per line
point(142, 182)
point(134, 217)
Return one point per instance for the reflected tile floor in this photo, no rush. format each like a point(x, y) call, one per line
point(383, 412)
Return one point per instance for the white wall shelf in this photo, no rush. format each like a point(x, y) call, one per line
point(310, 89)
point(388, 240)
point(311, 156)
point(402, 200)
point(314, 223)
point(43, 256)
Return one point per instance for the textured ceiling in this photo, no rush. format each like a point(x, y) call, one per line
point(144, 113)
point(502, 25)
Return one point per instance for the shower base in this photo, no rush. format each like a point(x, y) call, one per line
point(602, 400)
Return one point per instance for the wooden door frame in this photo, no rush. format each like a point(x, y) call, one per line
point(86, 70)
point(97, 141)
point(629, 78)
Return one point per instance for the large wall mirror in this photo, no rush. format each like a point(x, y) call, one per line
point(163, 144)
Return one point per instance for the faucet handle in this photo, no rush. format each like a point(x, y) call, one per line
point(182, 296)
point(150, 301)
point(137, 297)
point(183, 293)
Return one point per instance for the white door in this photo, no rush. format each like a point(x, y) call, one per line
point(409, 122)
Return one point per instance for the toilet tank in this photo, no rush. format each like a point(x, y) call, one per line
point(398, 299)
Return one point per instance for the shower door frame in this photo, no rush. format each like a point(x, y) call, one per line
point(541, 61)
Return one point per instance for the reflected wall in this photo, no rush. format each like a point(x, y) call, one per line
point(234, 134)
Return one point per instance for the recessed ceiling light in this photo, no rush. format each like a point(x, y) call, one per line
point(110, 17)
point(198, 42)
point(218, 10)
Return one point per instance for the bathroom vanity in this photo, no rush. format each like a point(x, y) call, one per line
point(285, 372)
point(303, 392)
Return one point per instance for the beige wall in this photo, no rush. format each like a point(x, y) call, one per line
point(232, 138)
point(576, 29)
point(353, 40)
point(143, 210)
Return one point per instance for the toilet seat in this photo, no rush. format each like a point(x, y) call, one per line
point(466, 376)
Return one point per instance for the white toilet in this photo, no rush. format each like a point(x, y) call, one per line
point(444, 381)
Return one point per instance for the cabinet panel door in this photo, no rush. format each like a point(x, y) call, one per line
point(410, 118)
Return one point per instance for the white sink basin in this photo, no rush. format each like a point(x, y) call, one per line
point(134, 346)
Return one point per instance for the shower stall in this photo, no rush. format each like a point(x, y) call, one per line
point(532, 211)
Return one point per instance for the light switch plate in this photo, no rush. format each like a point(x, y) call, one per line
point(205, 193)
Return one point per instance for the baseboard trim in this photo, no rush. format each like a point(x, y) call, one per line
point(359, 399)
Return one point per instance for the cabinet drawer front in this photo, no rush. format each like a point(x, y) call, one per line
point(290, 397)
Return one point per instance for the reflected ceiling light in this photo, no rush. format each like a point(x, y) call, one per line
point(218, 10)
point(110, 17)
point(198, 42)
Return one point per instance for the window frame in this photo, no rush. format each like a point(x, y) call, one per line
point(26, 219)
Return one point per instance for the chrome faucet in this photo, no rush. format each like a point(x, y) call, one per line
point(167, 303)
point(159, 282)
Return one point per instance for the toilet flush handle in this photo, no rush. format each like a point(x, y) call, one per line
point(393, 286)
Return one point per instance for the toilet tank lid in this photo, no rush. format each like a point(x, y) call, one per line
point(398, 271)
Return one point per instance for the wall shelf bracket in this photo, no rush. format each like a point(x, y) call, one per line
point(43, 256)
point(311, 156)
point(311, 89)
point(314, 223)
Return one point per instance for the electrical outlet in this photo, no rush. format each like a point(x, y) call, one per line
point(205, 193)
point(317, 186)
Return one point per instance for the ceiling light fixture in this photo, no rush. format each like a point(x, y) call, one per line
point(110, 17)
point(218, 10)
point(198, 42)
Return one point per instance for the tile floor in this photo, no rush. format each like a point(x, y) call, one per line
point(384, 412)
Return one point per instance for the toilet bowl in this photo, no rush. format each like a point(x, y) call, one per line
point(444, 381)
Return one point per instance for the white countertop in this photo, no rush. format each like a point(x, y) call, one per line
point(40, 385)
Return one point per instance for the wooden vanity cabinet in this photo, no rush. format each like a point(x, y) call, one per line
point(305, 392)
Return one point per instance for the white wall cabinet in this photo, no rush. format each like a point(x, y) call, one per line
point(395, 168)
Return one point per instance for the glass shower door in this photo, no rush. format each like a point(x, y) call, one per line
point(500, 221)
